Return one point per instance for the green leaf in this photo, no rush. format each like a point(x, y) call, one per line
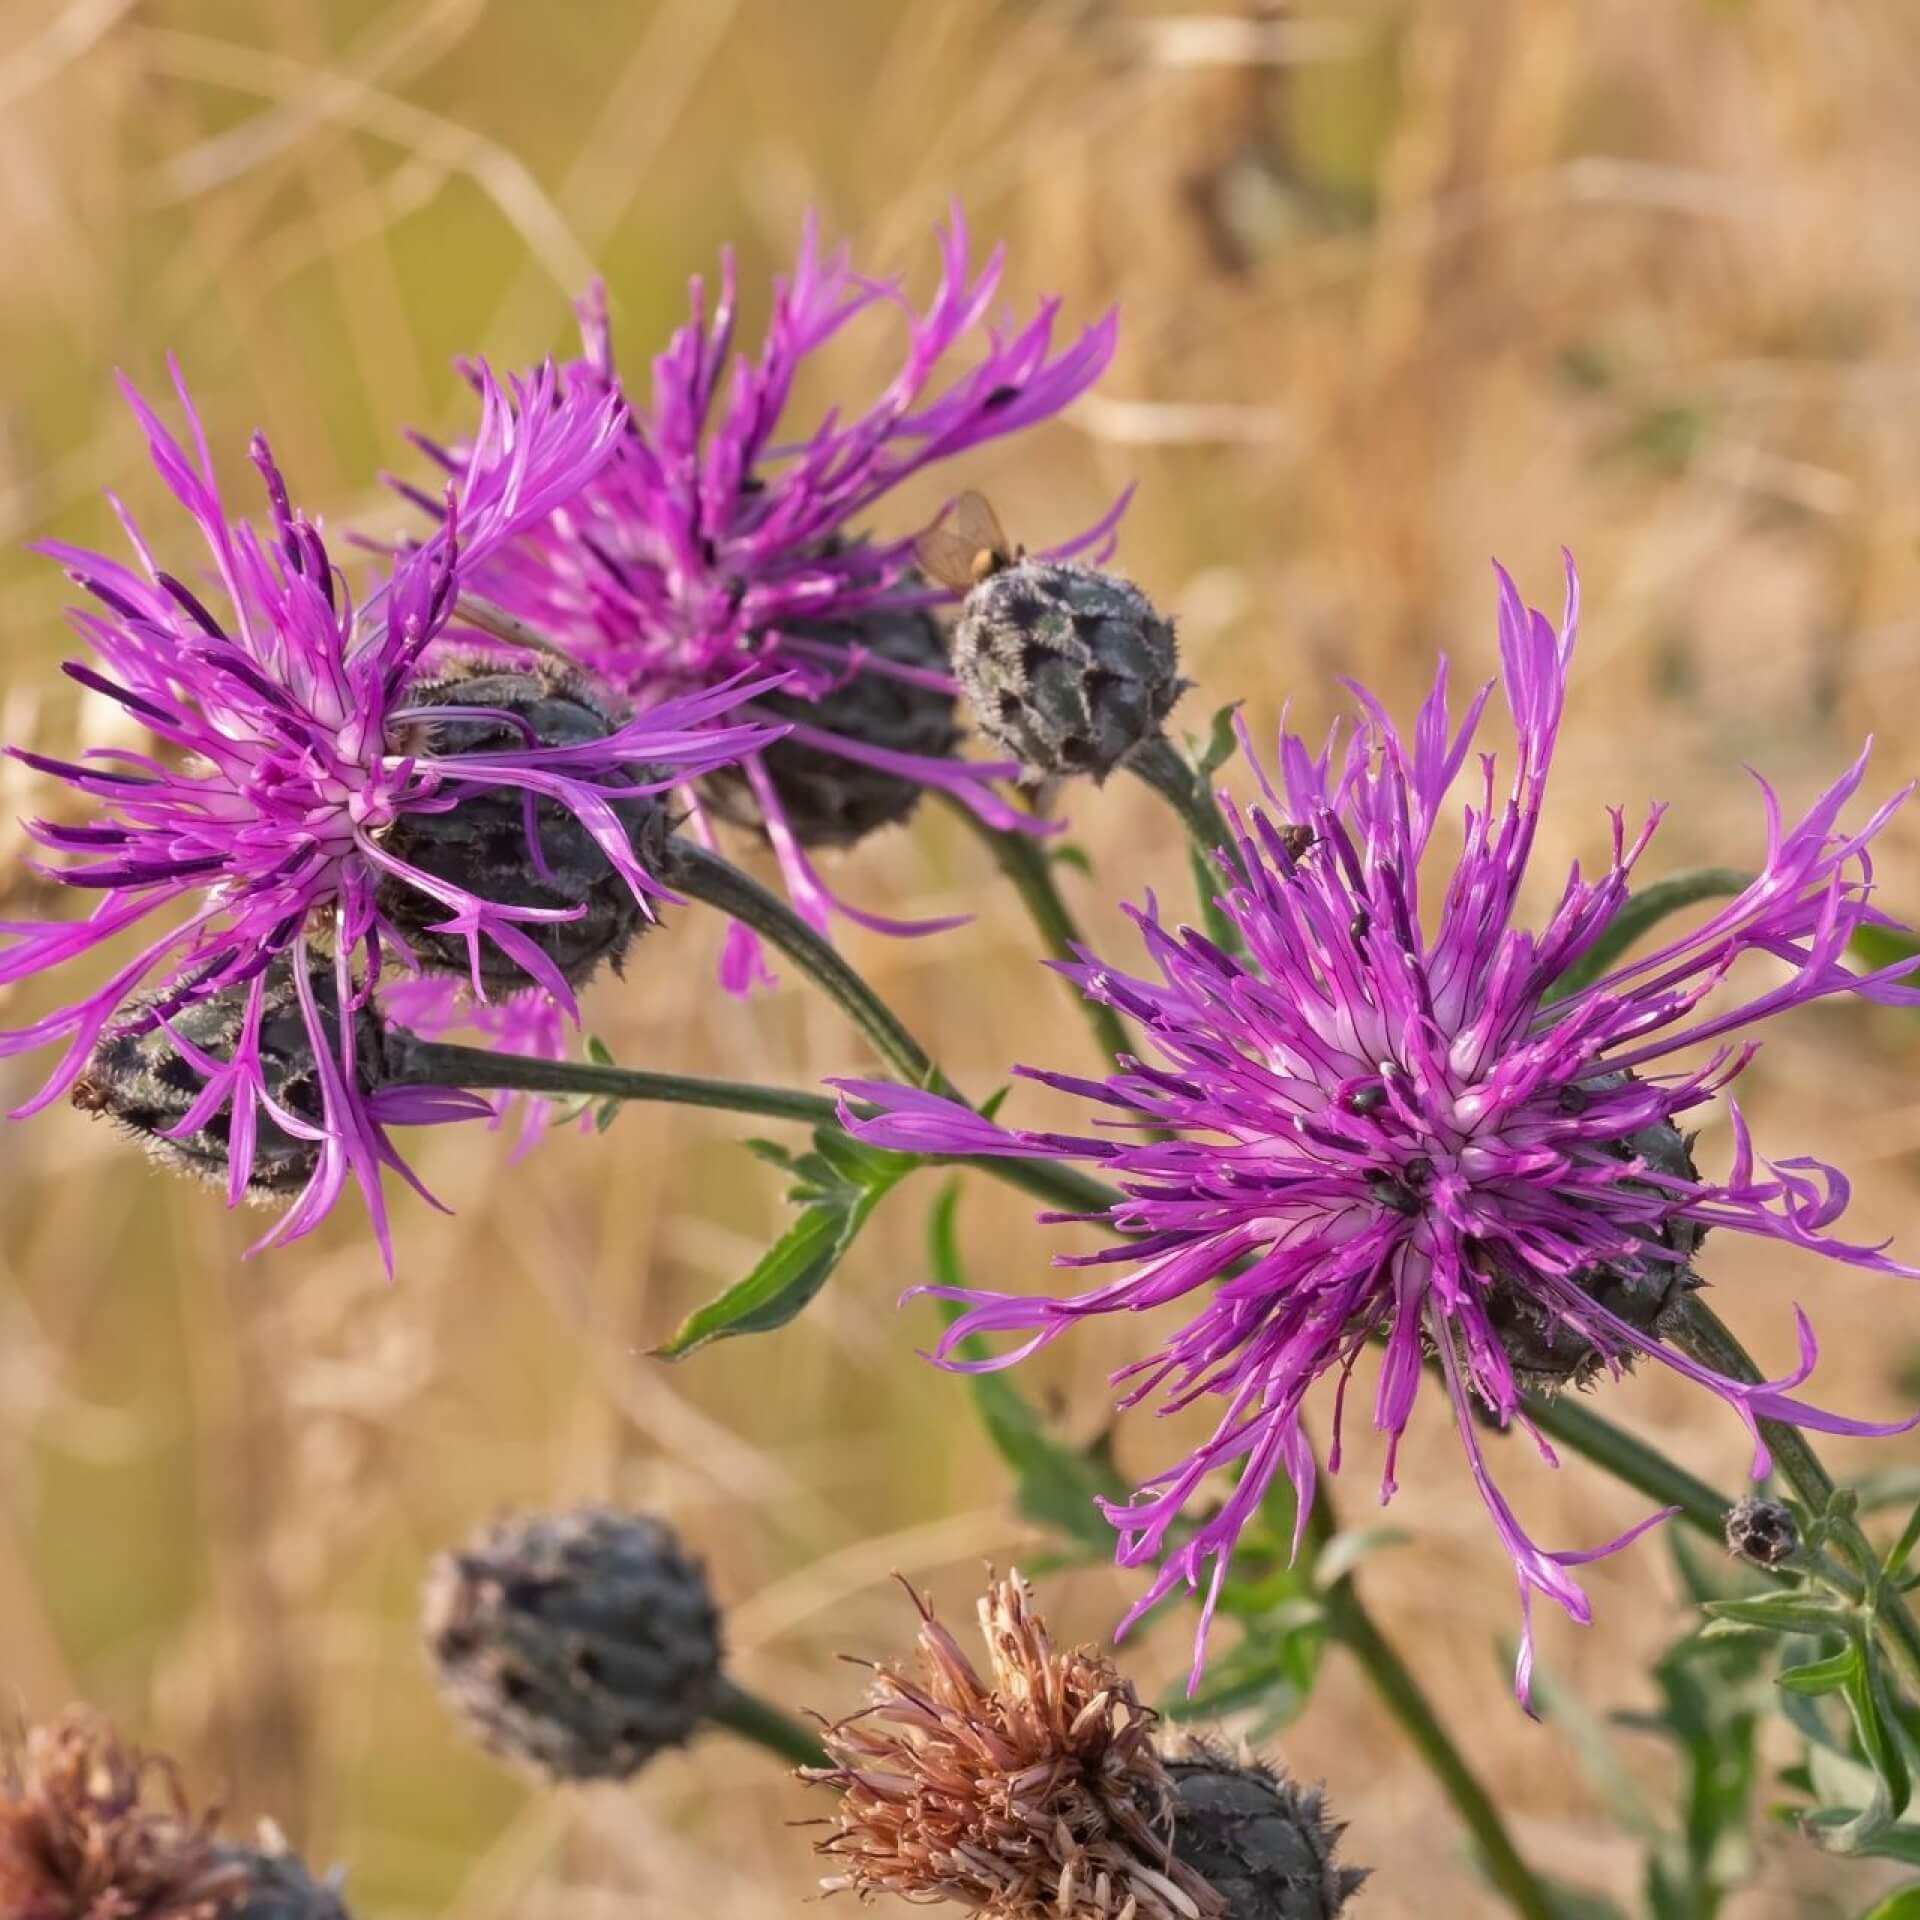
point(1067, 855)
point(1345, 1551)
point(1822, 1676)
point(1795, 1611)
point(839, 1185)
point(1055, 1485)
point(1873, 1721)
point(1270, 1672)
point(1877, 947)
point(1899, 1552)
point(1221, 742)
point(1643, 911)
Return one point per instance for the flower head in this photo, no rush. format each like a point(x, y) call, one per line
point(1376, 1126)
point(1034, 1794)
point(721, 538)
point(92, 1830)
point(305, 754)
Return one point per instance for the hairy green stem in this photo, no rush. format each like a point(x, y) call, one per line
point(1400, 1692)
point(1628, 1458)
point(432, 1063)
point(1160, 765)
point(1707, 1338)
point(1026, 862)
point(752, 1718)
point(718, 883)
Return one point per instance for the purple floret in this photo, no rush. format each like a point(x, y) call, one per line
point(1374, 1128)
point(287, 749)
point(711, 543)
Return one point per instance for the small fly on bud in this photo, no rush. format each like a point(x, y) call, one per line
point(974, 548)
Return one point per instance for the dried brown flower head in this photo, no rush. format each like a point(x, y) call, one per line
point(94, 1830)
point(1038, 1794)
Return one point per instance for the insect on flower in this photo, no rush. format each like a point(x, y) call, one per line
point(279, 830)
point(1369, 1130)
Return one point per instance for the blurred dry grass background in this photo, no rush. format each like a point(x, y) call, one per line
point(1404, 285)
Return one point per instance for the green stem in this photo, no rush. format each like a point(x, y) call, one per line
point(1159, 764)
point(1354, 1628)
point(1708, 1339)
point(1631, 1460)
point(424, 1063)
point(752, 1718)
point(1026, 862)
point(718, 883)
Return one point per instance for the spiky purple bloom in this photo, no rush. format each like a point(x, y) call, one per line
point(710, 544)
point(1370, 1126)
point(290, 746)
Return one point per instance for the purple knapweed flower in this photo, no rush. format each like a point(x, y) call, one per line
point(714, 542)
point(290, 747)
point(1371, 1125)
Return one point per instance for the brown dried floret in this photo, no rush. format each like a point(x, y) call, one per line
point(1037, 1793)
point(94, 1830)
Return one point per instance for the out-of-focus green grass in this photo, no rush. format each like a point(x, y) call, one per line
point(1403, 285)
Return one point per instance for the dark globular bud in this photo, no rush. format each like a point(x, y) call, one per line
point(481, 845)
point(1067, 669)
point(1762, 1532)
point(1262, 1842)
point(580, 1644)
point(137, 1077)
point(829, 800)
point(1546, 1352)
point(275, 1884)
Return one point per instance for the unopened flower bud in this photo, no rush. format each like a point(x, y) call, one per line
point(1068, 669)
point(1762, 1532)
point(138, 1077)
point(828, 799)
point(276, 1885)
point(1545, 1351)
point(482, 847)
point(580, 1643)
point(1262, 1842)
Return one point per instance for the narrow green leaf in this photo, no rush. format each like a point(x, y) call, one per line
point(1345, 1551)
point(1902, 1904)
point(1221, 742)
point(1791, 1612)
point(1898, 1553)
point(599, 1052)
point(1822, 1676)
point(1866, 1697)
point(1877, 947)
point(842, 1183)
point(1644, 911)
point(1068, 855)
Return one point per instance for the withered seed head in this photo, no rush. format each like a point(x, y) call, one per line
point(580, 1644)
point(481, 846)
point(1261, 1841)
point(1035, 1794)
point(91, 1829)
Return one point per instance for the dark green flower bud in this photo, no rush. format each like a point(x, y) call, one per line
point(137, 1077)
point(830, 801)
point(1068, 669)
point(275, 1885)
point(1263, 1843)
point(580, 1644)
point(481, 846)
